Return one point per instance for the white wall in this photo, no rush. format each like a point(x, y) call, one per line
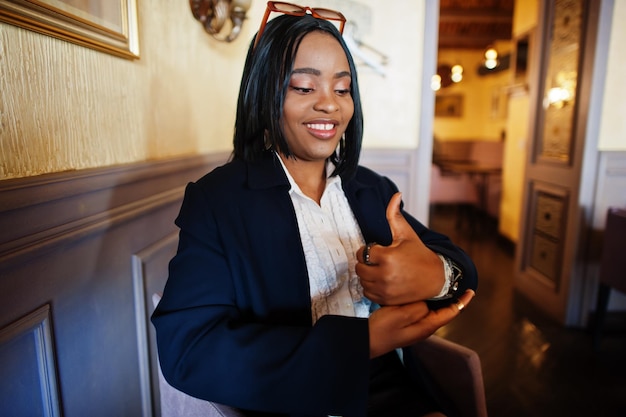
point(391, 103)
point(613, 120)
point(67, 107)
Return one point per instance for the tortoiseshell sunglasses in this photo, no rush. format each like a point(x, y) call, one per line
point(295, 10)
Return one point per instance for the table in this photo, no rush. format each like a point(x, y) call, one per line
point(479, 173)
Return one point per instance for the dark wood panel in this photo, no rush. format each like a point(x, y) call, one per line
point(41, 210)
point(67, 241)
point(29, 372)
point(94, 246)
point(149, 277)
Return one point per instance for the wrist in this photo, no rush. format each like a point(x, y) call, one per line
point(452, 277)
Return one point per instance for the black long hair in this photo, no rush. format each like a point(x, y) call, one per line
point(264, 85)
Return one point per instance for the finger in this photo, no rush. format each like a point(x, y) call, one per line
point(366, 255)
point(400, 228)
point(462, 301)
point(391, 327)
point(410, 313)
point(412, 322)
point(446, 314)
point(396, 318)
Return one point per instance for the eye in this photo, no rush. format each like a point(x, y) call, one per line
point(343, 87)
point(301, 90)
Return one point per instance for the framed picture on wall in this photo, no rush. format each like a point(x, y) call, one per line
point(449, 105)
point(520, 63)
point(105, 25)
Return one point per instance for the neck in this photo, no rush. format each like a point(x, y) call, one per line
point(310, 176)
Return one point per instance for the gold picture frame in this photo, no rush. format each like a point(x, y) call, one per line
point(449, 105)
point(105, 25)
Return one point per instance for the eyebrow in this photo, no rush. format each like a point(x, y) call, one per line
point(316, 72)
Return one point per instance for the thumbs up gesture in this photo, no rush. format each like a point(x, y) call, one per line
point(400, 277)
point(403, 272)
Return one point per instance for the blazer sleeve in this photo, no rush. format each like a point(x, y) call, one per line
point(369, 195)
point(211, 348)
point(442, 244)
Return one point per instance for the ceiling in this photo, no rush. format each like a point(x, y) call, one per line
point(474, 24)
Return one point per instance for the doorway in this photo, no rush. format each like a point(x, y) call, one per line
point(472, 127)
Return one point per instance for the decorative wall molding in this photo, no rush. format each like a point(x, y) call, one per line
point(615, 164)
point(610, 187)
point(89, 246)
point(92, 247)
point(29, 371)
point(149, 277)
point(48, 210)
point(399, 165)
point(610, 192)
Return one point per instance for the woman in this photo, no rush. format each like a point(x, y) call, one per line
point(273, 299)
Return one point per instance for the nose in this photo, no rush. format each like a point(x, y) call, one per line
point(327, 102)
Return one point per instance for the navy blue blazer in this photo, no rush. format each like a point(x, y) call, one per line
point(234, 325)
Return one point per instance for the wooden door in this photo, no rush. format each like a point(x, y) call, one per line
point(552, 231)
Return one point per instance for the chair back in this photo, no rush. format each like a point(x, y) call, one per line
point(175, 403)
point(613, 263)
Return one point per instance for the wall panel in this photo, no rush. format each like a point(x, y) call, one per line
point(29, 372)
point(67, 243)
point(81, 254)
point(610, 192)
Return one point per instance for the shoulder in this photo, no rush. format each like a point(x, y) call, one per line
point(261, 174)
point(367, 178)
point(227, 175)
point(211, 191)
point(241, 183)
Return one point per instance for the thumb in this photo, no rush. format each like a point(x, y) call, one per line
point(400, 228)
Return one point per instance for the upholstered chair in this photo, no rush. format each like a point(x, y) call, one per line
point(455, 368)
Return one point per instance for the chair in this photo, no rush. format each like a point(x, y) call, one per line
point(175, 403)
point(457, 371)
point(612, 266)
point(455, 368)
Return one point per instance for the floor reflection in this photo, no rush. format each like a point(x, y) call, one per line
point(532, 366)
point(533, 345)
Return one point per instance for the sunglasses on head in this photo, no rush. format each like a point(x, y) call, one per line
point(295, 10)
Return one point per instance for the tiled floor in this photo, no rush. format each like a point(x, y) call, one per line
point(532, 366)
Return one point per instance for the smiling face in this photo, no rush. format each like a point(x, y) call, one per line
point(318, 105)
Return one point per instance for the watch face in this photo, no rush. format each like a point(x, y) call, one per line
point(457, 273)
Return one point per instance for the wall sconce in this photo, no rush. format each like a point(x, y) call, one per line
point(213, 14)
point(557, 97)
point(562, 91)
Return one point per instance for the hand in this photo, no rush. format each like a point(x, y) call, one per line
point(393, 327)
point(403, 272)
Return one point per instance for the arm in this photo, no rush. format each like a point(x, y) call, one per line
point(398, 279)
point(409, 269)
point(219, 340)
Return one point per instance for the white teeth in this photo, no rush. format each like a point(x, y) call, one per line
point(321, 126)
